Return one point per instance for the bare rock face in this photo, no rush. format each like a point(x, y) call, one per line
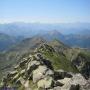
point(41, 72)
point(36, 73)
point(83, 65)
point(75, 83)
point(45, 83)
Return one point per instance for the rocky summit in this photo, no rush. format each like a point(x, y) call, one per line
point(35, 72)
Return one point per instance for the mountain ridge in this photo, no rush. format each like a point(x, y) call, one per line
point(42, 70)
point(63, 54)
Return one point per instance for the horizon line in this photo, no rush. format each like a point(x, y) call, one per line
point(41, 22)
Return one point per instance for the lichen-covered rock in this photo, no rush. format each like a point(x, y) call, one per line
point(45, 83)
point(78, 79)
point(32, 65)
point(64, 81)
point(22, 71)
point(41, 72)
point(57, 88)
point(74, 83)
point(11, 74)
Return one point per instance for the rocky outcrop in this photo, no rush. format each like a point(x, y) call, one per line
point(77, 82)
point(36, 73)
point(82, 64)
point(46, 47)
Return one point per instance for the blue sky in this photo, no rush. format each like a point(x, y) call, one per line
point(45, 11)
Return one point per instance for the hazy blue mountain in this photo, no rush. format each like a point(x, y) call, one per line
point(30, 29)
point(84, 32)
point(82, 41)
point(72, 34)
point(73, 40)
point(54, 34)
point(7, 41)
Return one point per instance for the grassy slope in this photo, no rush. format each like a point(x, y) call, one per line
point(60, 62)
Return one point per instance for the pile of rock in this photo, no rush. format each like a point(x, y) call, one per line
point(39, 71)
point(46, 47)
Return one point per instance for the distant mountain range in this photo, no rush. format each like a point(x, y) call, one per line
point(74, 35)
point(73, 40)
point(30, 29)
point(82, 41)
